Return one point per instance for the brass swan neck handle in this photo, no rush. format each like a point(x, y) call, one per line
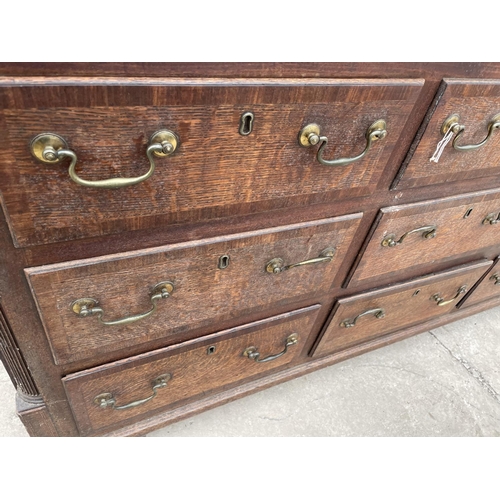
point(107, 399)
point(310, 135)
point(442, 302)
point(451, 128)
point(453, 124)
point(88, 307)
point(277, 265)
point(52, 148)
point(254, 354)
point(377, 313)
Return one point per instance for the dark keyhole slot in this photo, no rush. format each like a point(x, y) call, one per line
point(468, 213)
point(224, 261)
point(211, 349)
point(246, 123)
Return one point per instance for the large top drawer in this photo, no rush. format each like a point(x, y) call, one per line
point(224, 162)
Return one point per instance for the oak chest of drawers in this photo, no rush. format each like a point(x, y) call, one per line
point(178, 235)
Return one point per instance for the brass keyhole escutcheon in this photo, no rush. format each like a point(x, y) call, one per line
point(246, 123)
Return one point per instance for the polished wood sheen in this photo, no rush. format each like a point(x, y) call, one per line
point(203, 293)
point(459, 230)
point(250, 198)
point(403, 305)
point(476, 102)
point(214, 172)
point(194, 369)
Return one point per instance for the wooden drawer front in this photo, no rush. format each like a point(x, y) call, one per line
point(477, 103)
point(487, 288)
point(462, 227)
point(202, 293)
point(214, 172)
point(369, 315)
point(194, 368)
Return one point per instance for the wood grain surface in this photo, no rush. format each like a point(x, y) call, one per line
point(215, 172)
point(203, 295)
point(455, 236)
point(403, 305)
point(431, 71)
point(476, 102)
point(57, 227)
point(194, 371)
point(38, 422)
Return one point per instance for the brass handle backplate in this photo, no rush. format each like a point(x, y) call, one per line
point(52, 148)
point(88, 307)
point(310, 135)
point(277, 265)
point(107, 399)
point(493, 218)
point(349, 323)
point(254, 354)
point(428, 232)
point(441, 302)
point(495, 278)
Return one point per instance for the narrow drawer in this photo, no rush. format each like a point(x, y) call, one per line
point(121, 392)
point(237, 148)
point(366, 316)
point(218, 279)
point(424, 237)
point(487, 288)
point(471, 108)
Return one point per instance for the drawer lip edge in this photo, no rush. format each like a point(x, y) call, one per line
point(30, 271)
point(114, 365)
point(200, 81)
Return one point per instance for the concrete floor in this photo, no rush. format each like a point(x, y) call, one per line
point(445, 382)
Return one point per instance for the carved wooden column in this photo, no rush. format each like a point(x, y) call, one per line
point(29, 403)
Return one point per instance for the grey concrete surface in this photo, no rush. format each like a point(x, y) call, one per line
point(445, 382)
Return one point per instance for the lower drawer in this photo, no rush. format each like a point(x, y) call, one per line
point(97, 306)
point(128, 390)
point(363, 317)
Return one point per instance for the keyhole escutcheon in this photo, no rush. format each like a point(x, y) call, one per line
point(246, 123)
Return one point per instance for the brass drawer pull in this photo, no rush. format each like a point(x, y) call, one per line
point(87, 307)
point(277, 265)
point(451, 126)
point(253, 352)
point(107, 399)
point(492, 218)
point(452, 123)
point(428, 232)
point(496, 278)
point(52, 148)
point(310, 136)
point(441, 302)
point(349, 323)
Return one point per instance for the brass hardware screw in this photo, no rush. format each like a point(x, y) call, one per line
point(50, 154)
point(167, 148)
point(313, 139)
